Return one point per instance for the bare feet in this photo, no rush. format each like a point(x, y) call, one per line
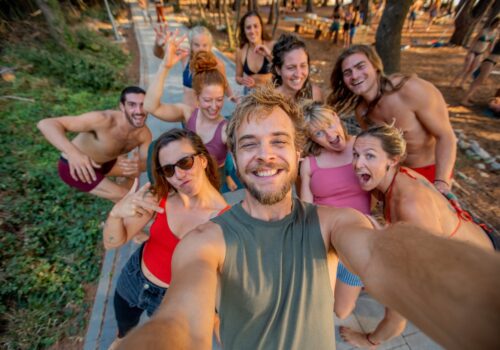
point(355, 338)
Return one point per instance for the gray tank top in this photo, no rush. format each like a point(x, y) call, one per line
point(275, 287)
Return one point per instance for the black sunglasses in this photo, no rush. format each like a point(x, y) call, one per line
point(185, 163)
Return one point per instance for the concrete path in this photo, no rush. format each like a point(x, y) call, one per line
point(102, 326)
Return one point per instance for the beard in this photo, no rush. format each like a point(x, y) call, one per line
point(131, 120)
point(270, 197)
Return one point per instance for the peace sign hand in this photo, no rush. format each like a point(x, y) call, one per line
point(136, 203)
point(173, 50)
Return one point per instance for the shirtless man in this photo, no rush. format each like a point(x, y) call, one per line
point(415, 105)
point(263, 262)
point(99, 150)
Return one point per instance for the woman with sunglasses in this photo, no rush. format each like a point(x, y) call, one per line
point(209, 85)
point(290, 69)
point(184, 195)
point(408, 197)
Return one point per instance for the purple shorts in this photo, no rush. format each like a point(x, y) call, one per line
point(100, 173)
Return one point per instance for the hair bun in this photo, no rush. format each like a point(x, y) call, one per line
point(203, 61)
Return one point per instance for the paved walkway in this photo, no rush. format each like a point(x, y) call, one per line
point(102, 326)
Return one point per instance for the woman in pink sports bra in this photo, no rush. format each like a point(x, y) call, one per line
point(184, 195)
point(327, 178)
point(408, 197)
point(209, 85)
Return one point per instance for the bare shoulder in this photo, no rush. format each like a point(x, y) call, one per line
point(205, 242)
point(305, 165)
point(317, 93)
point(414, 87)
point(333, 218)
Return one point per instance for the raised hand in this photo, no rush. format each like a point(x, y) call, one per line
point(247, 81)
point(130, 167)
point(263, 50)
point(136, 203)
point(161, 31)
point(81, 167)
point(174, 52)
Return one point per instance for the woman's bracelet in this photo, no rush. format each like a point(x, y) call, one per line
point(439, 180)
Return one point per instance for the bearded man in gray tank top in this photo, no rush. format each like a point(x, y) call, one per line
point(263, 263)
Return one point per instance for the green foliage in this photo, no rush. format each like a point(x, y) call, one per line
point(49, 234)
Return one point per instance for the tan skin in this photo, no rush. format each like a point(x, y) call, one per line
point(200, 42)
point(210, 100)
point(194, 202)
point(336, 151)
point(184, 320)
point(413, 201)
point(102, 137)
point(255, 51)
point(418, 109)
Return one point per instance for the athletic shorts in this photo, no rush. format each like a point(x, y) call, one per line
point(344, 275)
point(100, 174)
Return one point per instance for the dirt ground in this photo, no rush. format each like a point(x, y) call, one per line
point(479, 193)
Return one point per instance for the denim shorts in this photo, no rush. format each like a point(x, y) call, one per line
point(136, 289)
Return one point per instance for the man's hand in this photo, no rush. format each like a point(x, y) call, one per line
point(136, 203)
point(129, 167)
point(443, 187)
point(81, 167)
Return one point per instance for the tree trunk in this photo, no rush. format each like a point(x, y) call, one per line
point(270, 19)
point(495, 9)
point(237, 6)
point(309, 6)
point(364, 7)
point(467, 19)
point(276, 17)
point(388, 37)
point(201, 10)
point(230, 33)
point(56, 22)
point(253, 5)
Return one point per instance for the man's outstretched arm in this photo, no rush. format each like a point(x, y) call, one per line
point(185, 318)
point(449, 289)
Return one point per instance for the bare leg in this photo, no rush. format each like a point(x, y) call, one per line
point(109, 190)
point(469, 58)
point(392, 325)
point(476, 61)
point(345, 299)
point(485, 70)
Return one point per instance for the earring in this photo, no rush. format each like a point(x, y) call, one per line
point(387, 167)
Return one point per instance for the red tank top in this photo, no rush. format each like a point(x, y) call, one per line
point(159, 248)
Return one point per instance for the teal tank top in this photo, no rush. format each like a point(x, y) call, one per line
point(275, 287)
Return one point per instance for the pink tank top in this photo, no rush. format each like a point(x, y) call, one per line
point(337, 187)
point(215, 146)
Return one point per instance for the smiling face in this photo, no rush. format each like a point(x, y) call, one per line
point(253, 29)
point(133, 109)
point(371, 163)
point(266, 156)
point(294, 71)
point(329, 135)
point(359, 75)
point(187, 181)
point(211, 101)
point(200, 42)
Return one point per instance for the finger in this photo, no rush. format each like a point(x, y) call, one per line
point(73, 173)
point(91, 173)
point(95, 164)
point(143, 189)
point(148, 205)
point(178, 41)
point(134, 186)
point(83, 174)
